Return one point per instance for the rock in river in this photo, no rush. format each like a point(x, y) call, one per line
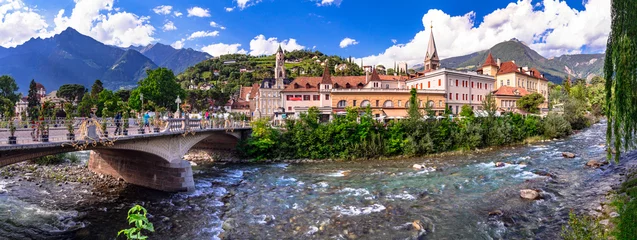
point(499, 164)
point(595, 163)
point(568, 154)
point(529, 194)
point(418, 166)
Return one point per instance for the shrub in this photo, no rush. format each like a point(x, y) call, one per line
point(137, 217)
point(555, 126)
point(583, 227)
point(51, 159)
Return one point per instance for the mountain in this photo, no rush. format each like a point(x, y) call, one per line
point(578, 66)
point(70, 57)
point(174, 59)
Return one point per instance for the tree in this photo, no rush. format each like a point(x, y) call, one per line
point(530, 103)
point(160, 86)
point(621, 77)
point(97, 88)
point(414, 112)
point(33, 101)
point(390, 71)
point(84, 107)
point(123, 94)
point(567, 84)
point(488, 104)
point(466, 111)
point(8, 88)
point(71, 92)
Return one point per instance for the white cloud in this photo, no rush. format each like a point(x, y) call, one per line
point(328, 2)
point(169, 26)
point(177, 13)
point(178, 44)
point(394, 41)
point(96, 18)
point(198, 12)
point(222, 48)
point(163, 9)
point(19, 23)
point(216, 25)
point(229, 9)
point(200, 34)
point(262, 46)
point(347, 42)
point(243, 4)
point(557, 29)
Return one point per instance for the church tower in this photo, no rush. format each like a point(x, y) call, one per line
point(279, 69)
point(432, 62)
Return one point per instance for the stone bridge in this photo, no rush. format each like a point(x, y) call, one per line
point(152, 160)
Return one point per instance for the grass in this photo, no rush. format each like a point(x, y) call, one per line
point(583, 227)
point(56, 159)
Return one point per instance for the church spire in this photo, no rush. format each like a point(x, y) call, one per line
point(432, 62)
point(280, 50)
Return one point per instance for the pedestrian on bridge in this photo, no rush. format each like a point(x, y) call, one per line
point(146, 123)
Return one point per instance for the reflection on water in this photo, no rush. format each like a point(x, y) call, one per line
point(449, 199)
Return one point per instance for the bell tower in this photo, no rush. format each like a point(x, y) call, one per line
point(432, 62)
point(279, 69)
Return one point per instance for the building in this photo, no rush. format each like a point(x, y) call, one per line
point(506, 98)
point(306, 92)
point(511, 75)
point(22, 104)
point(267, 98)
point(460, 87)
point(240, 102)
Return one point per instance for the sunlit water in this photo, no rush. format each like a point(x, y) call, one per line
point(452, 199)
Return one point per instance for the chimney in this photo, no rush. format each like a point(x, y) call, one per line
point(499, 63)
point(366, 77)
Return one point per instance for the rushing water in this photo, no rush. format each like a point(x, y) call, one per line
point(452, 199)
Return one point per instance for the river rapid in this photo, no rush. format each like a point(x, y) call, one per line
point(450, 199)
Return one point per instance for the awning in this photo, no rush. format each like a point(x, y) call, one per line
point(395, 113)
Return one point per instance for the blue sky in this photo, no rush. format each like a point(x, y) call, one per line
point(551, 27)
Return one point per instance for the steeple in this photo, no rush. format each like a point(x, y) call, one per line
point(280, 50)
point(279, 68)
point(489, 61)
point(327, 76)
point(432, 62)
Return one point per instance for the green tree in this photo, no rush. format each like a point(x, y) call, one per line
point(71, 92)
point(531, 102)
point(33, 102)
point(391, 71)
point(123, 94)
point(97, 88)
point(466, 111)
point(160, 86)
point(488, 104)
point(414, 112)
point(9, 88)
point(621, 77)
point(84, 107)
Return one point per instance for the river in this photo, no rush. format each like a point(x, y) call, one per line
point(337, 200)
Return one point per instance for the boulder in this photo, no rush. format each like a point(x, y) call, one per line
point(595, 163)
point(529, 194)
point(496, 213)
point(416, 225)
point(499, 164)
point(418, 166)
point(568, 155)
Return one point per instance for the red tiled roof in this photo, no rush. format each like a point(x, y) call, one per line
point(510, 67)
point(300, 84)
point(510, 91)
point(489, 61)
point(304, 84)
point(255, 90)
point(327, 76)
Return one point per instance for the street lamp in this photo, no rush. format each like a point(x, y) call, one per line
point(178, 101)
point(141, 98)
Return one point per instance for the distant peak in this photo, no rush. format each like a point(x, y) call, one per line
point(69, 30)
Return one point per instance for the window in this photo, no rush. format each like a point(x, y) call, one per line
point(501, 82)
point(289, 97)
point(430, 103)
point(327, 97)
point(471, 97)
point(456, 82)
point(456, 109)
point(387, 86)
point(419, 103)
point(428, 84)
point(400, 103)
point(439, 82)
point(316, 97)
point(354, 103)
point(508, 82)
point(377, 103)
point(289, 108)
point(388, 104)
point(306, 97)
point(341, 104)
point(297, 96)
point(420, 86)
point(471, 84)
point(439, 103)
point(364, 103)
point(456, 96)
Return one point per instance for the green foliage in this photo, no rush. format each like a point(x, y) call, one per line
point(8, 95)
point(621, 77)
point(71, 92)
point(414, 110)
point(466, 111)
point(84, 107)
point(575, 113)
point(33, 102)
point(489, 105)
point(137, 216)
point(160, 87)
point(555, 126)
point(583, 227)
point(97, 88)
point(531, 102)
point(53, 159)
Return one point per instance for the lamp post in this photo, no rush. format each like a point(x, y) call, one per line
point(141, 98)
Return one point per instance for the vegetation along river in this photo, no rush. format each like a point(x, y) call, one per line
point(451, 199)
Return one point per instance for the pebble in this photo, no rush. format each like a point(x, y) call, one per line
point(614, 214)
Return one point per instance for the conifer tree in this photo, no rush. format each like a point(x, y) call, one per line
point(33, 101)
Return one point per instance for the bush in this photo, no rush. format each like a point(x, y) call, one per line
point(575, 114)
point(583, 227)
point(53, 159)
point(555, 126)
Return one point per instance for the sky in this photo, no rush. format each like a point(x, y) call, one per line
point(375, 31)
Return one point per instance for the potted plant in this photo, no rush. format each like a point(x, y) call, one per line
point(140, 123)
point(71, 129)
point(156, 123)
point(12, 138)
point(44, 128)
point(125, 123)
point(104, 127)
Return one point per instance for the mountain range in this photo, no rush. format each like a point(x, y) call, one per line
point(70, 57)
point(584, 66)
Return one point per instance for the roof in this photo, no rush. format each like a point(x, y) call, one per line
point(255, 90)
point(510, 91)
point(243, 93)
point(511, 67)
point(327, 76)
point(489, 61)
point(39, 86)
point(280, 49)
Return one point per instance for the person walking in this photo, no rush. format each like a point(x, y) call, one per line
point(146, 118)
point(118, 123)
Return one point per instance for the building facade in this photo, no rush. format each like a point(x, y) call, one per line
point(268, 100)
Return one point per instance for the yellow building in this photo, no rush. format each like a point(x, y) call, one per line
point(508, 74)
